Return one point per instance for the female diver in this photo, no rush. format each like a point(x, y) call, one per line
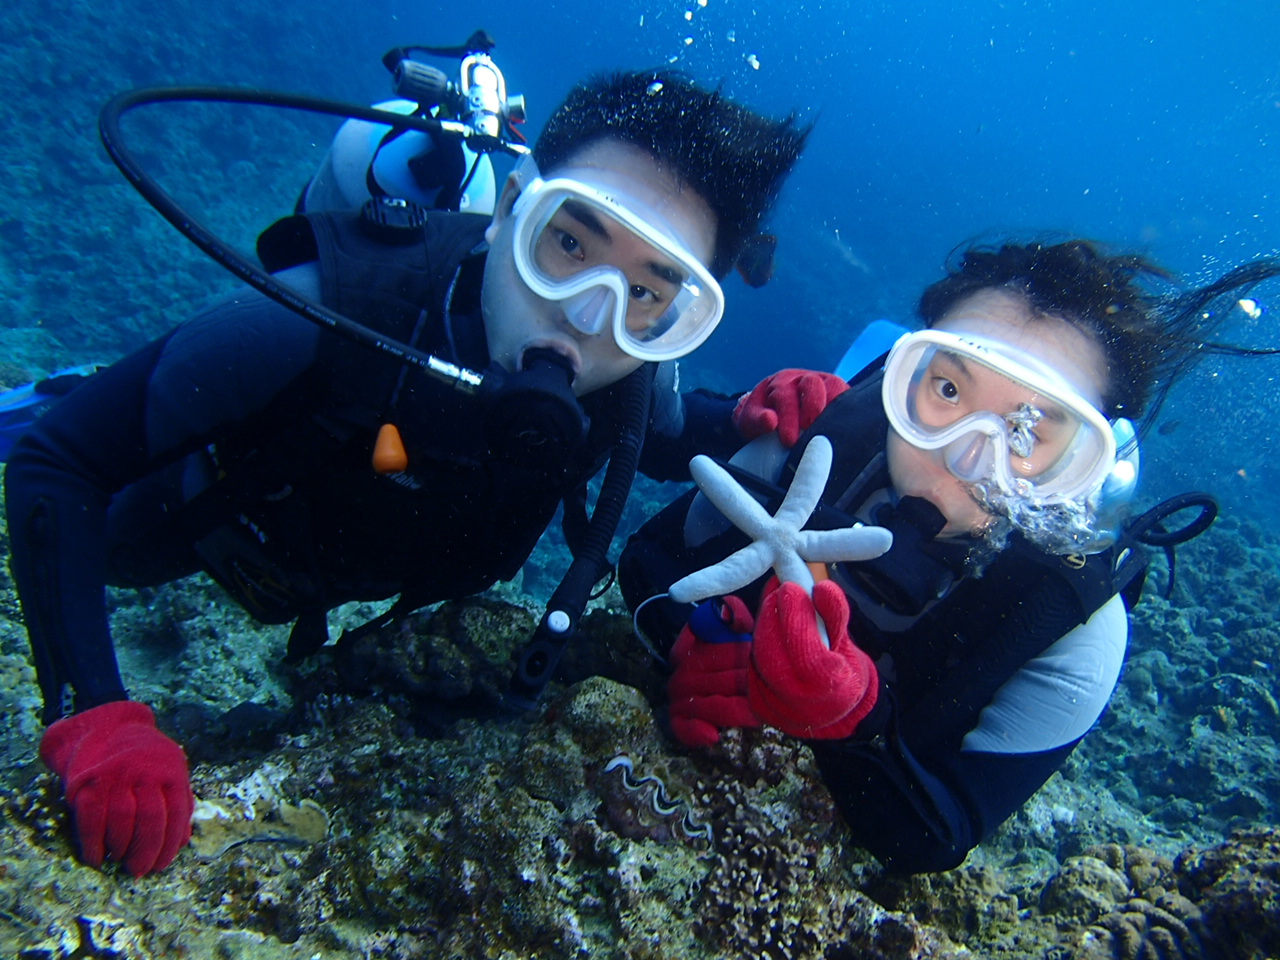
point(942, 682)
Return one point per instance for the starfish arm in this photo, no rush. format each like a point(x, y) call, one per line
point(849, 543)
point(807, 485)
point(790, 567)
point(732, 573)
point(727, 494)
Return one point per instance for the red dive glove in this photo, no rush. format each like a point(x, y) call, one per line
point(788, 402)
point(709, 686)
point(795, 683)
point(126, 783)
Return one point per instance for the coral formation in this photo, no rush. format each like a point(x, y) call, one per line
point(1237, 888)
point(447, 834)
point(388, 843)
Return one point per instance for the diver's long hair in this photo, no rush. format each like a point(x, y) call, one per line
point(1151, 338)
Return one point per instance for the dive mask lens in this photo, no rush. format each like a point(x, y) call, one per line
point(971, 457)
point(996, 415)
point(591, 311)
point(614, 267)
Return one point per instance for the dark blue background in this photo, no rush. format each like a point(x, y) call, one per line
point(1150, 125)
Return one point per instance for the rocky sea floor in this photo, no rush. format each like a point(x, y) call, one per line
point(355, 807)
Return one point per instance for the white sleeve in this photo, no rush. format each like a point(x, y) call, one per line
point(1059, 694)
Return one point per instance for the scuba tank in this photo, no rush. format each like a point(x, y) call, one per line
point(432, 169)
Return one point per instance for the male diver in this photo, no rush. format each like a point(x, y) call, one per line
point(302, 471)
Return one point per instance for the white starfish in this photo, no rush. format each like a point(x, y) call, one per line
point(777, 541)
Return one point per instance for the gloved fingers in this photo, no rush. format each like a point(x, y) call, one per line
point(756, 423)
point(693, 732)
point(790, 660)
point(90, 815)
point(148, 830)
point(691, 683)
point(832, 606)
point(788, 646)
point(831, 722)
point(751, 416)
point(819, 718)
point(729, 711)
point(162, 825)
point(786, 399)
point(739, 618)
point(813, 395)
point(699, 657)
point(181, 804)
point(697, 722)
point(805, 711)
point(122, 820)
point(798, 718)
point(795, 683)
point(816, 699)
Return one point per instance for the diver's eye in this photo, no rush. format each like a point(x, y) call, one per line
point(569, 244)
point(642, 294)
point(946, 389)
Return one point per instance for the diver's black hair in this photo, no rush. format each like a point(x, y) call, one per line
point(734, 158)
point(1150, 339)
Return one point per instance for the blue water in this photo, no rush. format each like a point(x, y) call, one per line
point(1153, 126)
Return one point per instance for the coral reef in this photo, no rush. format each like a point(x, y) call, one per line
point(501, 837)
point(371, 803)
point(1237, 887)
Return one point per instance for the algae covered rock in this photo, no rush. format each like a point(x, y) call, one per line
point(1083, 890)
point(583, 830)
point(1237, 886)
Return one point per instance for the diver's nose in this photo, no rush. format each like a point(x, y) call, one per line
point(589, 311)
point(970, 458)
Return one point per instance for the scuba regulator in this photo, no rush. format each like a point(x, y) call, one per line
point(478, 100)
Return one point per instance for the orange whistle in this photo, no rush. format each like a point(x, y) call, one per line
point(388, 450)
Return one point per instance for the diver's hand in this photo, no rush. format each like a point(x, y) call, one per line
point(788, 402)
point(126, 783)
point(794, 682)
point(709, 686)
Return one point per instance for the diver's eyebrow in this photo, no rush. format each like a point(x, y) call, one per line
point(958, 360)
point(587, 217)
point(664, 271)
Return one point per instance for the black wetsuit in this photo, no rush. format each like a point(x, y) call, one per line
point(240, 443)
point(983, 693)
